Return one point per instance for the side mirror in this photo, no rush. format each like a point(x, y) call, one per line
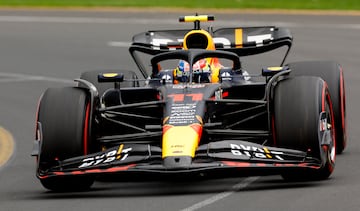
point(270, 71)
point(110, 77)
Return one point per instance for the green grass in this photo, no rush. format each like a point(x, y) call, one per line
point(223, 4)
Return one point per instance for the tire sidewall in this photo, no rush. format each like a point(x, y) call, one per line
point(61, 116)
point(332, 73)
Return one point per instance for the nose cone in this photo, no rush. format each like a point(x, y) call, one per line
point(179, 145)
point(177, 162)
point(181, 140)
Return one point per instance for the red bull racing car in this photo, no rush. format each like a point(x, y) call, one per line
point(205, 115)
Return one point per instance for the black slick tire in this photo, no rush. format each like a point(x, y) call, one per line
point(332, 73)
point(63, 117)
point(300, 103)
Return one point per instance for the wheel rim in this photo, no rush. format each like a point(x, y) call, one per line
point(331, 149)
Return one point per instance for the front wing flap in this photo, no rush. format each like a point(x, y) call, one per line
point(220, 156)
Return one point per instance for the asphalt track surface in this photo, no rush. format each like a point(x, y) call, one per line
point(41, 49)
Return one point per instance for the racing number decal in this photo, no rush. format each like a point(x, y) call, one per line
point(181, 97)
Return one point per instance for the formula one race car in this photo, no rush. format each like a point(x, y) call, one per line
point(205, 115)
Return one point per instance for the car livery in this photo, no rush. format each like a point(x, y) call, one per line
point(218, 123)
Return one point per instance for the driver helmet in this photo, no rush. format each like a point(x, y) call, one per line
point(182, 72)
point(201, 72)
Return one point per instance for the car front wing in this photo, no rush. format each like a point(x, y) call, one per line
point(246, 158)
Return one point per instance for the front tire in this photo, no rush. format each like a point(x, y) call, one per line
point(304, 120)
point(63, 117)
point(332, 73)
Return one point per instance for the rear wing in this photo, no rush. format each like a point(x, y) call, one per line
point(243, 41)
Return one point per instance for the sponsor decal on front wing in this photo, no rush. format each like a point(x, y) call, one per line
point(254, 151)
point(107, 157)
point(246, 151)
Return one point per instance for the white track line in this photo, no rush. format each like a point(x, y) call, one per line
point(119, 44)
point(147, 21)
point(237, 187)
point(18, 77)
point(54, 19)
